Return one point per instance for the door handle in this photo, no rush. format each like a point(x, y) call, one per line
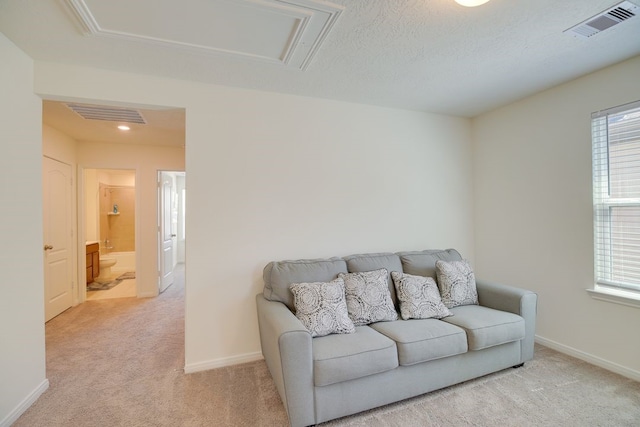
point(47, 247)
point(173, 235)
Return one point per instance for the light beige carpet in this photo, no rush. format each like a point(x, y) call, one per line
point(552, 390)
point(119, 363)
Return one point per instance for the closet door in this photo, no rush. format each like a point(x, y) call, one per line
point(58, 238)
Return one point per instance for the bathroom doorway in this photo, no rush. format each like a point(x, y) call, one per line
point(110, 233)
point(171, 225)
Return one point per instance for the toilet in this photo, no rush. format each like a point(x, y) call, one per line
point(105, 269)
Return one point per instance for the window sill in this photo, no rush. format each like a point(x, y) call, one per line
point(617, 296)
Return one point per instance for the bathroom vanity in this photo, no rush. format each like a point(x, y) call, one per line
point(93, 261)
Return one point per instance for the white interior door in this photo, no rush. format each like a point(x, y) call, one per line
point(166, 230)
point(58, 237)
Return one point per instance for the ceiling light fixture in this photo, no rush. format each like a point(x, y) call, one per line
point(124, 127)
point(471, 3)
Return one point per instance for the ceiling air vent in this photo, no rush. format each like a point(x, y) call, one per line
point(607, 19)
point(110, 114)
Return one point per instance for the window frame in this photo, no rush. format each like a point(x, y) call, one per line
point(605, 287)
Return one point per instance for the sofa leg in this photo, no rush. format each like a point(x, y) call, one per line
point(518, 366)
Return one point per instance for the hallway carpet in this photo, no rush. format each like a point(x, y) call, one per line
point(119, 363)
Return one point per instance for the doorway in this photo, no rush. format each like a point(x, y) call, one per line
point(110, 228)
point(155, 142)
point(171, 225)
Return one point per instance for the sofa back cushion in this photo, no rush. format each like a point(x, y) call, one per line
point(423, 263)
point(368, 262)
point(279, 275)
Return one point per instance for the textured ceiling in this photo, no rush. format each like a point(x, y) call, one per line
point(427, 55)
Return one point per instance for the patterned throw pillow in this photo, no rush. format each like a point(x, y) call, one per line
point(457, 283)
point(368, 297)
point(321, 307)
point(419, 297)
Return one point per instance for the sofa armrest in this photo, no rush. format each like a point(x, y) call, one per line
point(514, 300)
point(287, 350)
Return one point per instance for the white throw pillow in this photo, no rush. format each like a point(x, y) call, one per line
point(321, 307)
point(419, 297)
point(457, 283)
point(368, 297)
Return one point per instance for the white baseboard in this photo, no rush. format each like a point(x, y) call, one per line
point(594, 360)
point(13, 416)
point(147, 294)
point(220, 363)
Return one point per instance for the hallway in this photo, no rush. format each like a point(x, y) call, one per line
point(119, 362)
point(107, 351)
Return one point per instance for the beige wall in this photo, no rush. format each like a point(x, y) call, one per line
point(22, 353)
point(274, 176)
point(91, 206)
point(59, 146)
point(533, 218)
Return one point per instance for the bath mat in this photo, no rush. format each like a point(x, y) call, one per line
point(127, 275)
point(97, 286)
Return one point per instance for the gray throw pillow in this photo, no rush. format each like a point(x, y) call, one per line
point(321, 307)
point(419, 297)
point(457, 283)
point(368, 297)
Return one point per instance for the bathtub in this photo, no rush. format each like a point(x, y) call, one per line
point(125, 261)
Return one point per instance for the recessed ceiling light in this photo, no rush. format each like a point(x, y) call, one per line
point(471, 3)
point(124, 127)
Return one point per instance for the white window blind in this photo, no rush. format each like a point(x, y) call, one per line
point(616, 196)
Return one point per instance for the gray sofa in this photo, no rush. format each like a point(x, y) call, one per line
point(332, 376)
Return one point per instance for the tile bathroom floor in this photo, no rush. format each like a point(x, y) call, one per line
point(126, 288)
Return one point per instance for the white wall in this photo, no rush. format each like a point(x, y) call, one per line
point(146, 161)
point(274, 176)
point(22, 353)
point(279, 177)
point(533, 221)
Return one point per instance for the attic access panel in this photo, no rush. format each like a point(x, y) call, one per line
point(285, 32)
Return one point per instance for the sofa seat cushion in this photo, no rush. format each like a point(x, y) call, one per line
point(486, 327)
point(338, 358)
point(420, 340)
